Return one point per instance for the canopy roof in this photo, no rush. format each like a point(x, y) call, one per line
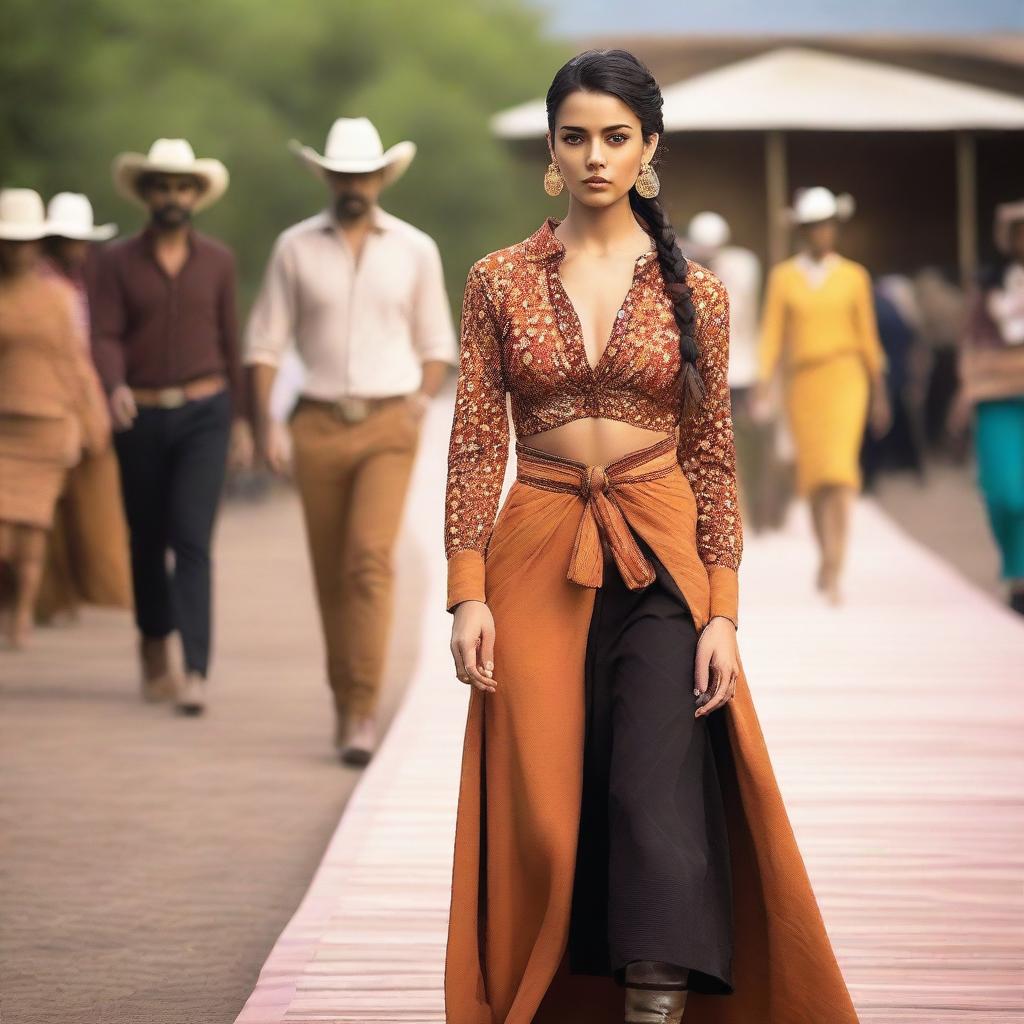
point(797, 88)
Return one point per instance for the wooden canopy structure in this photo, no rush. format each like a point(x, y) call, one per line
point(795, 89)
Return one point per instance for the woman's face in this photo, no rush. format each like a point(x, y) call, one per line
point(18, 257)
point(821, 236)
point(598, 137)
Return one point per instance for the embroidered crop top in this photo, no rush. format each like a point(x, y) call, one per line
point(520, 334)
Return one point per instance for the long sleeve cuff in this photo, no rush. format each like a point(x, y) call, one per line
point(724, 592)
point(465, 577)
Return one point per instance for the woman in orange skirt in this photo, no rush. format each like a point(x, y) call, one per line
point(51, 406)
point(622, 851)
point(87, 555)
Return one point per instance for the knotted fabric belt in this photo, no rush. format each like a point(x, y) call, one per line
point(602, 521)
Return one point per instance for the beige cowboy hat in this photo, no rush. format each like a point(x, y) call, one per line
point(22, 215)
point(70, 216)
point(354, 147)
point(1007, 214)
point(170, 156)
point(811, 205)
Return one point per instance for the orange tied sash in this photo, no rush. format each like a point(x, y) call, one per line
point(602, 520)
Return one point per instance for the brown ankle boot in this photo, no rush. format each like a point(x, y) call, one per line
point(655, 992)
point(158, 682)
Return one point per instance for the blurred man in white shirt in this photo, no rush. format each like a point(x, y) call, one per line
point(761, 448)
point(360, 295)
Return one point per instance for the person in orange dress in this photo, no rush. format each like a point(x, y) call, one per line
point(51, 406)
point(87, 552)
point(622, 850)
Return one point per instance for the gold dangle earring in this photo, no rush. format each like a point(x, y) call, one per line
point(647, 184)
point(553, 180)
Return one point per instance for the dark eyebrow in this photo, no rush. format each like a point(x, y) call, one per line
point(577, 128)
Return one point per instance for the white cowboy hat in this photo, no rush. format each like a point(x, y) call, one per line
point(708, 230)
point(70, 216)
point(354, 147)
point(170, 156)
point(1006, 215)
point(811, 205)
point(22, 215)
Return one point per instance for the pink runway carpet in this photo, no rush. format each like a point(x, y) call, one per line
point(896, 726)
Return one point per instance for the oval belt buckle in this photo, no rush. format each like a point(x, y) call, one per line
point(171, 398)
point(352, 409)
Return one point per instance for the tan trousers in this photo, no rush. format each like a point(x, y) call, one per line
point(353, 478)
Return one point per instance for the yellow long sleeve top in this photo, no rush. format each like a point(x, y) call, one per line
point(802, 323)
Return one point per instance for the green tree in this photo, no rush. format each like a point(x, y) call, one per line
point(81, 81)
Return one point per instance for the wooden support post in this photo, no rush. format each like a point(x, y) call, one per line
point(966, 207)
point(776, 195)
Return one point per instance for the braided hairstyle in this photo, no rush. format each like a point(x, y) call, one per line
point(619, 73)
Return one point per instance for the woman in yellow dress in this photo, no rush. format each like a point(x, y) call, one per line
point(818, 327)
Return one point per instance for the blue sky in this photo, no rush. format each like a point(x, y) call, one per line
point(585, 17)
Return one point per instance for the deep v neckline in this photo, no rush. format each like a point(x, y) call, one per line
point(621, 314)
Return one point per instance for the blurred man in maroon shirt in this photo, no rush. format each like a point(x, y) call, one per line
point(165, 340)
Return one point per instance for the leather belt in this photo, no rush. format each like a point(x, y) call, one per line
point(350, 408)
point(174, 397)
point(602, 524)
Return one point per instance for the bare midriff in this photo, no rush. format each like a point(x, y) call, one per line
point(593, 441)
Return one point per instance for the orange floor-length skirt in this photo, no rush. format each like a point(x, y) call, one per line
point(520, 790)
point(87, 559)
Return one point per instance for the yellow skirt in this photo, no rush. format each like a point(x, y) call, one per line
point(827, 407)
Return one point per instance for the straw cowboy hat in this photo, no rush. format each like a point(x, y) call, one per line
point(1007, 214)
point(170, 156)
point(354, 147)
point(70, 216)
point(22, 215)
point(811, 205)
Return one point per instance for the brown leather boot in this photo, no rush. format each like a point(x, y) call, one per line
point(655, 992)
point(158, 682)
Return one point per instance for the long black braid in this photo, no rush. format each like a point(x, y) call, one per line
point(621, 74)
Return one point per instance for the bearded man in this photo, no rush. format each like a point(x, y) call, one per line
point(165, 341)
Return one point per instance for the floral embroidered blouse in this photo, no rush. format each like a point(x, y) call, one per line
point(520, 335)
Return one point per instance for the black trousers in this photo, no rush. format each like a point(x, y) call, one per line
point(653, 875)
point(173, 463)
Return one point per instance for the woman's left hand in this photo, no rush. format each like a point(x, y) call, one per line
point(717, 664)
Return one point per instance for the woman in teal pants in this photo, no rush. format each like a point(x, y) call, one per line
point(992, 384)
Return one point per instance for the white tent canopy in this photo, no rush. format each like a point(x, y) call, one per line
point(796, 88)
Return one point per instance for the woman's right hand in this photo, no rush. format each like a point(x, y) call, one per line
point(472, 645)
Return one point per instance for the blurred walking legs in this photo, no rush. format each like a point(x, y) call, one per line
point(999, 440)
point(831, 506)
point(765, 480)
point(173, 463)
point(353, 479)
point(23, 548)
